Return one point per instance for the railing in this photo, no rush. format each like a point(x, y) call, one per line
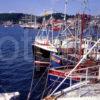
point(87, 74)
point(84, 81)
point(75, 68)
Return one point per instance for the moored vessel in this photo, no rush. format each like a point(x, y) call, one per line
point(74, 55)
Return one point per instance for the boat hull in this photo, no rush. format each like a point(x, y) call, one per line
point(41, 56)
point(54, 81)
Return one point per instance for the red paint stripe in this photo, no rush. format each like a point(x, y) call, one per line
point(61, 74)
point(57, 73)
point(42, 64)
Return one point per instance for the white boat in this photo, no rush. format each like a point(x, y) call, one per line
point(9, 96)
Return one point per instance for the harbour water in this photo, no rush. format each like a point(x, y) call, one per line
point(16, 62)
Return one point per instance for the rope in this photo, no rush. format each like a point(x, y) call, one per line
point(75, 67)
point(58, 77)
point(38, 81)
point(30, 90)
point(52, 85)
point(45, 85)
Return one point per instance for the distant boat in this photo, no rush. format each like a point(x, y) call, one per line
point(8, 24)
point(28, 23)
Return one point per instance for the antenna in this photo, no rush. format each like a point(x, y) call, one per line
point(85, 5)
point(65, 10)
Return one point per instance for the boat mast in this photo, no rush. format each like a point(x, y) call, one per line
point(52, 25)
point(35, 21)
point(81, 34)
point(83, 18)
point(65, 12)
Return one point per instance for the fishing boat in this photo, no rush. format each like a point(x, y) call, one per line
point(62, 54)
point(70, 50)
point(42, 48)
point(73, 54)
point(87, 76)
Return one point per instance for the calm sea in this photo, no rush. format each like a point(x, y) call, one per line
point(16, 62)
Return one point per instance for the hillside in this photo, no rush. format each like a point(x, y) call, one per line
point(16, 17)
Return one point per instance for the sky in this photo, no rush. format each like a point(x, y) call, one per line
point(37, 7)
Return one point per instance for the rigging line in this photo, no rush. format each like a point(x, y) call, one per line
point(85, 4)
point(54, 81)
point(45, 84)
point(40, 79)
point(46, 80)
point(75, 67)
point(30, 90)
point(52, 85)
point(64, 31)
